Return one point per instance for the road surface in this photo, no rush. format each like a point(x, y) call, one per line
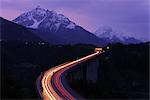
point(52, 87)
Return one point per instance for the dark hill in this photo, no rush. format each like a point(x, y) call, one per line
point(15, 32)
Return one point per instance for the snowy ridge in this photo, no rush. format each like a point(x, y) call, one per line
point(36, 23)
point(39, 17)
point(71, 26)
point(112, 36)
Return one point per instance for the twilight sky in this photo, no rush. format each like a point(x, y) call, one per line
point(129, 16)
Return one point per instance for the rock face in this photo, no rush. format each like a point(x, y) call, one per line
point(41, 18)
point(51, 26)
point(111, 36)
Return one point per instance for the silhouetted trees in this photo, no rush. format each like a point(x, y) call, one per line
point(123, 74)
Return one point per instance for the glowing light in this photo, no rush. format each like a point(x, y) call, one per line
point(98, 49)
point(49, 92)
point(107, 47)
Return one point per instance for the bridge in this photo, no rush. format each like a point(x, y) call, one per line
point(52, 84)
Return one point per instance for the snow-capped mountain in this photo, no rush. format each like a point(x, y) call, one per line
point(111, 36)
point(56, 28)
point(42, 18)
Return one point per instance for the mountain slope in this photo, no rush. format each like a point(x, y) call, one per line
point(111, 36)
point(51, 25)
point(12, 31)
point(49, 37)
point(41, 18)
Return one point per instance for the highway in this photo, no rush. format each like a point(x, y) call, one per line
point(52, 87)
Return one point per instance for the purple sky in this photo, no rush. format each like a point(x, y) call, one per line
point(129, 16)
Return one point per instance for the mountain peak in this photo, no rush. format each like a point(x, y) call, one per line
point(105, 28)
point(38, 7)
point(112, 36)
point(39, 17)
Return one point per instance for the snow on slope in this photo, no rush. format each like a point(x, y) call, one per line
point(39, 16)
point(112, 36)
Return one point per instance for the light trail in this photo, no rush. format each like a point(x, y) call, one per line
point(49, 92)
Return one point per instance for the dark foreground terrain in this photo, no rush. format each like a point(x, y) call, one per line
point(23, 62)
point(123, 74)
